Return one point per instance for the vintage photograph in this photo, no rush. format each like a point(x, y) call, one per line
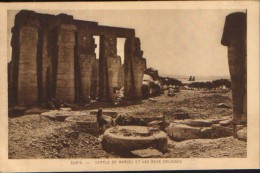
point(133, 86)
point(127, 84)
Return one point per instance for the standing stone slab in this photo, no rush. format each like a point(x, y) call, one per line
point(65, 88)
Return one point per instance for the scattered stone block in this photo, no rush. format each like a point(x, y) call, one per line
point(225, 118)
point(128, 138)
point(152, 100)
point(242, 134)
point(34, 111)
point(199, 123)
point(65, 109)
point(182, 116)
point(206, 133)
point(157, 123)
point(180, 132)
point(221, 131)
point(84, 122)
point(225, 122)
point(146, 153)
point(110, 113)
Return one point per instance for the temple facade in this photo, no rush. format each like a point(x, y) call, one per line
point(53, 57)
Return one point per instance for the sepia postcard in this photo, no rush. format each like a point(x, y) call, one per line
point(126, 86)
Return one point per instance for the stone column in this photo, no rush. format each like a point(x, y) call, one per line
point(135, 65)
point(129, 82)
point(108, 67)
point(27, 65)
point(139, 65)
point(113, 64)
point(234, 37)
point(86, 63)
point(95, 80)
point(65, 84)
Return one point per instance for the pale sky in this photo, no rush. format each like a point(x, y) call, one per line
point(176, 42)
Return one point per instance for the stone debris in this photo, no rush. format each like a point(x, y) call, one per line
point(34, 111)
point(221, 131)
point(152, 100)
point(181, 114)
point(106, 112)
point(146, 153)
point(199, 123)
point(223, 105)
point(225, 122)
point(180, 132)
point(158, 124)
point(242, 134)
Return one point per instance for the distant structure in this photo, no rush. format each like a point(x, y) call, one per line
point(192, 78)
point(53, 56)
point(234, 37)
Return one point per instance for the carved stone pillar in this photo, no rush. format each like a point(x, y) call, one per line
point(86, 61)
point(95, 80)
point(129, 92)
point(139, 65)
point(114, 65)
point(135, 65)
point(65, 84)
point(108, 67)
point(27, 88)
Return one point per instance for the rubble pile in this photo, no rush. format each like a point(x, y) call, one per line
point(67, 143)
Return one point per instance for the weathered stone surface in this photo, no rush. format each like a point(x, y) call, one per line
point(87, 63)
point(225, 122)
point(180, 132)
point(34, 111)
point(84, 122)
point(16, 110)
point(242, 134)
point(221, 131)
point(146, 153)
point(65, 71)
point(114, 65)
point(27, 74)
point(181, 115)
point(128, 138)
point(105, 112)
point(206, 132)
point(157, 124)
point(108, 59)
point(199, 123)
point(223, 105)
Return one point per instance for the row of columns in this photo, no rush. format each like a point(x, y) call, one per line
point(63, 60)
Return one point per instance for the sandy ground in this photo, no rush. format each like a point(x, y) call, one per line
point(33, 136)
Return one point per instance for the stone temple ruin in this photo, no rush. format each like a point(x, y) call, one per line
point(53, 56)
